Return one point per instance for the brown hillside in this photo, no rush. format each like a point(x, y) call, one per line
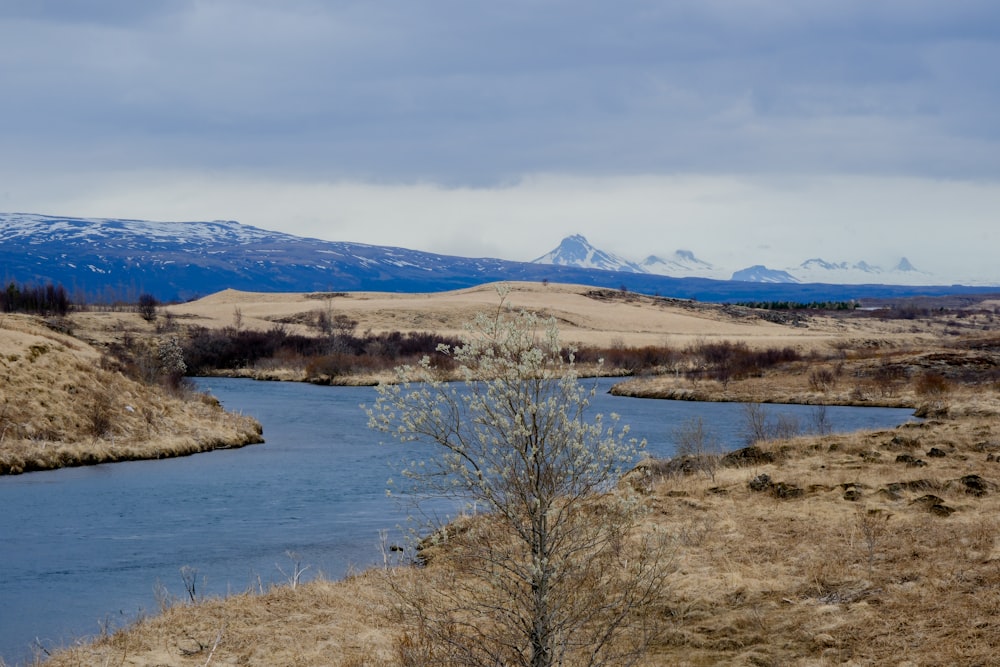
point(585, 315)
point(62, 403)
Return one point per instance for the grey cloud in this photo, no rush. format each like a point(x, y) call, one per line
point(480, 92)
point(109, 12)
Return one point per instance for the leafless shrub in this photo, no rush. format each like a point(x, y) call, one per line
point(415, 650)
point(822, 380)
point(759, 426)
point(886, 379)
point(297, 570)
point(861, 391)
point(932, 384)
point(167, 323)
point(147, 307)
point(164, 600)
point(100, 414)
point(784, 427)
point(873, 525)
point(821, 420)
point(695, 441)
point(334, 324)
point(6, 423)
point(754, 423)
point(189, 575)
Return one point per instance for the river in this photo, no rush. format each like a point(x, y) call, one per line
point(85, 548)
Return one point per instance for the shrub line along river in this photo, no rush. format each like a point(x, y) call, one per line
point(82, 548)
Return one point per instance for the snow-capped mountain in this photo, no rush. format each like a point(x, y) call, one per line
point(58, 229)
point(681, 263)
point(110, 258)
point(102, 260)
point(576, 251)
point(759, 273)
point(817, 270)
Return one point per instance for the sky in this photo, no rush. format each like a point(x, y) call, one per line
point(749, 132)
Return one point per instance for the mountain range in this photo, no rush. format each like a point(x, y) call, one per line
point(576, 251)
point(111, 259)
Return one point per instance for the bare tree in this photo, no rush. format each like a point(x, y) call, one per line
point(555, 571)
point(760, 427)
point(147, 306)
point(756, 428)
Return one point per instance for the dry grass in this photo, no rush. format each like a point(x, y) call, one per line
point(59, 406)
point(319, 623)
point(869, 548)
point(585, 316)
point(843, 558)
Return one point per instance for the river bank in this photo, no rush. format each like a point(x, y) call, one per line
point(62, 403)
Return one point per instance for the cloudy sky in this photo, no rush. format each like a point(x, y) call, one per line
point(756, 131)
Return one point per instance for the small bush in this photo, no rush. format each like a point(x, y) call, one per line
point(887, 378)
point(726, 360)
point(99, 414)
point(147, 307)
point(330, 365)
point(759, 426)
point(631, 359)
point(696, 443)
point(932, 384)
point(822, 380)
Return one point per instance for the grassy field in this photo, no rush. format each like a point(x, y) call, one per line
point(861, 549)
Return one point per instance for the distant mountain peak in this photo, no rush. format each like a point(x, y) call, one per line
point(681, 263)
point(819, 263)
point(759, 273)
point(817, 270)
point(576, 251)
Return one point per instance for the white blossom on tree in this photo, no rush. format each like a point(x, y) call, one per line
point(553, 572)
point(171, 358)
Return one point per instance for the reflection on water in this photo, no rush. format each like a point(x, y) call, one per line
point(83, 547)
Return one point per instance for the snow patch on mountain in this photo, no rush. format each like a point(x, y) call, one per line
point(682, 264)
point(55, 228)
point(818, 270)
point(576, 251)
